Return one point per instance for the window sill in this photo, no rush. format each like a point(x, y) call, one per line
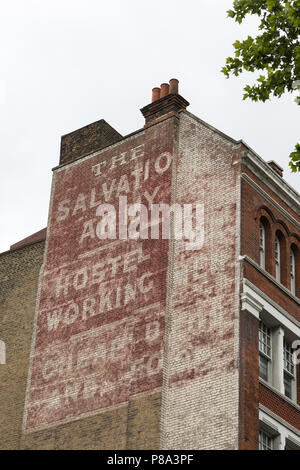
point(263, 354)
point(274, 390)
point(287, 372)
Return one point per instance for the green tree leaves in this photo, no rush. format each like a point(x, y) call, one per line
point(276, 52)
point(295, 159)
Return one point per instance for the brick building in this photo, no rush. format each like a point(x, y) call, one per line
point(149, 343)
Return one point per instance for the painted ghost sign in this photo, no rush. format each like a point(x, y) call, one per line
point(100, 314)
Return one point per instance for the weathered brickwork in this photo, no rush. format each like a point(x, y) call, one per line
point(100, 317)
point(127, 343)
point(19, 273)
point(249, 386)
point(131, 427)
point(86, 140)
point(259, 203)
point(268, 287)
point(200, 392)
point(134, 426)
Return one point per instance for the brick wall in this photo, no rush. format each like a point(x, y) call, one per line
point(260, 182)
point(249, 386)
point(270, 289)
point(254, 208)
point(134, 426)
point(200, 388)
point(279, 406)
point(99, 342)
point(19, 272)
point(140, 344)
point(86, 140)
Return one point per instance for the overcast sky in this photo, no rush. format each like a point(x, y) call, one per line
point(67, 63)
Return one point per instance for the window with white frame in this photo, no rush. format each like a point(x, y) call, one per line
point(278, 336)
point(265, 441)
point(293, 271)
point(262, 246)
point(276, 434)
point(265, 351)
point(277, 258)
point(276, 366)
point(289, 369)
point(291, 444)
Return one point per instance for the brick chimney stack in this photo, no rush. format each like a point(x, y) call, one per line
point(165, 100)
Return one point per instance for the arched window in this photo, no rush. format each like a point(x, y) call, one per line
point(282, 259)
point(293, 271)
point(277, 259)
point(262, 245)
point(265, 257)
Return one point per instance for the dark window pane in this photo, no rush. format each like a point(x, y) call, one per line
point(263, 368)
point(265, 441)
point(288, 386)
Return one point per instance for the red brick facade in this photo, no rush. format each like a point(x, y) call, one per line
point(261, 204)
point(249, 386)
point(279, 406)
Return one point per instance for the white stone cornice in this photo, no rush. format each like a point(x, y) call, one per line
point(250, 304)
point(272, 201)
point(271, 307)
point(279, 425)
point(275, 182)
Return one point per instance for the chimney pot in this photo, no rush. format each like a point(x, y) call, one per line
point(164, 90)
point(155, 94)
point(173, 86)
point(165, 101)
